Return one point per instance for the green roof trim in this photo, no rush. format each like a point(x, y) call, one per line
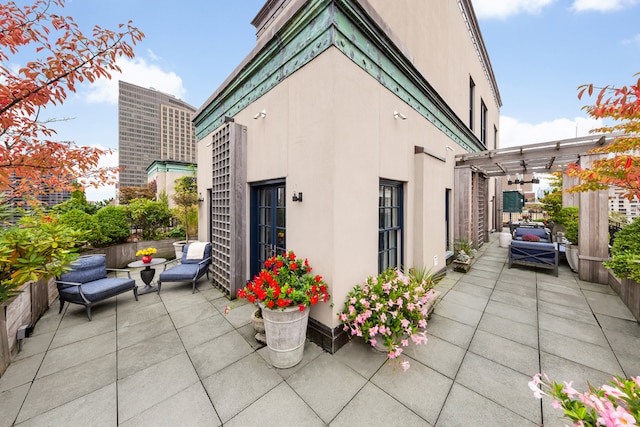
point(314, 28)
point(159, 166)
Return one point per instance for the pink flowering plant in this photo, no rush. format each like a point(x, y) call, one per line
point(613, 404)
point(389, 309)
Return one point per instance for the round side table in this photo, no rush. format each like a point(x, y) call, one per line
point(147, 274)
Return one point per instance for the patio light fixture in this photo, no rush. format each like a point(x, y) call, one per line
point(397, 115)
point(520, 180)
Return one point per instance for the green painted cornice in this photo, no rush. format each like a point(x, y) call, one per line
point(316, 26)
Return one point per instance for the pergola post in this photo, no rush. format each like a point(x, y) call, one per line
point(463, 204)
point(593, 228)
point(569, 199)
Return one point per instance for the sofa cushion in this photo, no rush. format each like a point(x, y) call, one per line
point(86, 269)
point(98, 290)
point(185, 250)
point(182, 272)
point(540, 232)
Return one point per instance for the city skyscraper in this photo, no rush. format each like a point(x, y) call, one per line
point(151, 126)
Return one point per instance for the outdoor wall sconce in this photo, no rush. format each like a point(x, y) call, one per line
point(200, 198)
point(262, 114)
point(297, 197)
point(520, 180)
point(397, 116)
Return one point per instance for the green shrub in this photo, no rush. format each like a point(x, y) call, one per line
point(148, 216)
point(85, 224)
point(568, 218)
point(113, 224)
point(39, 246)
point(625, 252)
point(176, 232)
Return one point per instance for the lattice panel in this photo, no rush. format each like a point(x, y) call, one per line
point(220, 207)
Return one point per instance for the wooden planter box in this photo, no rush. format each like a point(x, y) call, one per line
point(461, 266)
point(118, 256)
point(628, 291)
point(23, 309)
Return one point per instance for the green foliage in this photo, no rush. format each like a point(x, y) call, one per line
point(625, 252)
point(189, 220)
point(78, 201)
point(176, 232)
point(39, 246)
point(552, 200)
point(148, 216)
point(568, 218)
point(464, 250)
point(618, 217)
point(425, 276)
point(113, 224)
point(186, 198)
point(84, 223)
point(128, 194)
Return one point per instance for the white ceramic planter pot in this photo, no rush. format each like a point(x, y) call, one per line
point(258, 327)
point(572, 257)
point(505, 239)
point(286, 335)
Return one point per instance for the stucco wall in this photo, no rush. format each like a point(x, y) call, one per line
point(435, 35)
point(330, 131)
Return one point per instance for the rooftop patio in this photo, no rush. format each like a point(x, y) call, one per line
point(175, 359)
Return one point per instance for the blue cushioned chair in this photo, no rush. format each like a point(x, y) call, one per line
point(87, 282)
point(534, 254)
point(189, 270)
point(540, 232)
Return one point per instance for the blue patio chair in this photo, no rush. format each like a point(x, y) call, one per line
point(189, 269)
point(86, 283)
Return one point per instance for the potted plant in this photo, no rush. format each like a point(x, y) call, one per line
point(146, 254)
point(613, 404)
point(388, 311)
point(568, 218)
point(625, 253)
point(38, 247)
point(186, 197)
point(285, 290)
point(258, 326)
point(464, 254)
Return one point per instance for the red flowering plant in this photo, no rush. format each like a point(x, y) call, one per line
point(286, 281)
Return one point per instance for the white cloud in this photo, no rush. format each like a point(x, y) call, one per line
point(514, 132)
point(106, 191)
point(601, 5)
point(505, 8)
point(153, 55)
point(635, 40)
point(138, 72)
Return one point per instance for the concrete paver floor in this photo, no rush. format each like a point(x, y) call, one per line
point(175, 359)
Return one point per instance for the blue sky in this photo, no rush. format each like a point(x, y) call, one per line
point(541, 51)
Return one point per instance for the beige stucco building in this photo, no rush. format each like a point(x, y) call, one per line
point(165, 172)
point(357, 107)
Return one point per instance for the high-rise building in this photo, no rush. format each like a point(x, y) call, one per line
point(151, 126)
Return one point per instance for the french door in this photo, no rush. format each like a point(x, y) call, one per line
point(268, 223)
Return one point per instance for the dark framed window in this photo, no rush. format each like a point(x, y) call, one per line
point(472, 100)
point(483, 123)
point(390, 225)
